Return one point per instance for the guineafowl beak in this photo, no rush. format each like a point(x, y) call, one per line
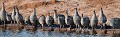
point(101, 10)
point(82, 15)
point(55, 10)
point(94, 12)
point(3, 7)
point(67, 11)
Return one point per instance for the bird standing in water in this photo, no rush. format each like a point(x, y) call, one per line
point(3, 14)
point(9, 19)
point(13, 15)
point(18, 17)
point(42, 20)
point(33, 19)
point(85, 21)
point(94, 21)
point(102, 19)
point(55, 16)
point(49, 19)
point(61, 20)
point(68, 19)
point(77, 19)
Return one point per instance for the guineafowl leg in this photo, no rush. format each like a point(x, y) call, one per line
point(42, 25)
point(32, 24)
point(11, 23)
point(87, 27)
point(63, 26)
point(76, 26)
point(113, 30)
point(92, 27)
point(14, 22)
point(69, 26)
point(1, 23)
point(60, 26)
point(83, 27)
point(17, 24)
point(104, 25)
point(101, 26)
point(4, 25)
point(80, 28)
point(48, 25)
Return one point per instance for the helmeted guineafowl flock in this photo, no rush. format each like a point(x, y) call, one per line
point(75, 21)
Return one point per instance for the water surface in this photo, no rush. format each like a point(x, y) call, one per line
point(38, 33)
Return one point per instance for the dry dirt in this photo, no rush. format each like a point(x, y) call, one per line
point(111, 7)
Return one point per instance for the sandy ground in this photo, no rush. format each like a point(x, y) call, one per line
point(111, 7)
